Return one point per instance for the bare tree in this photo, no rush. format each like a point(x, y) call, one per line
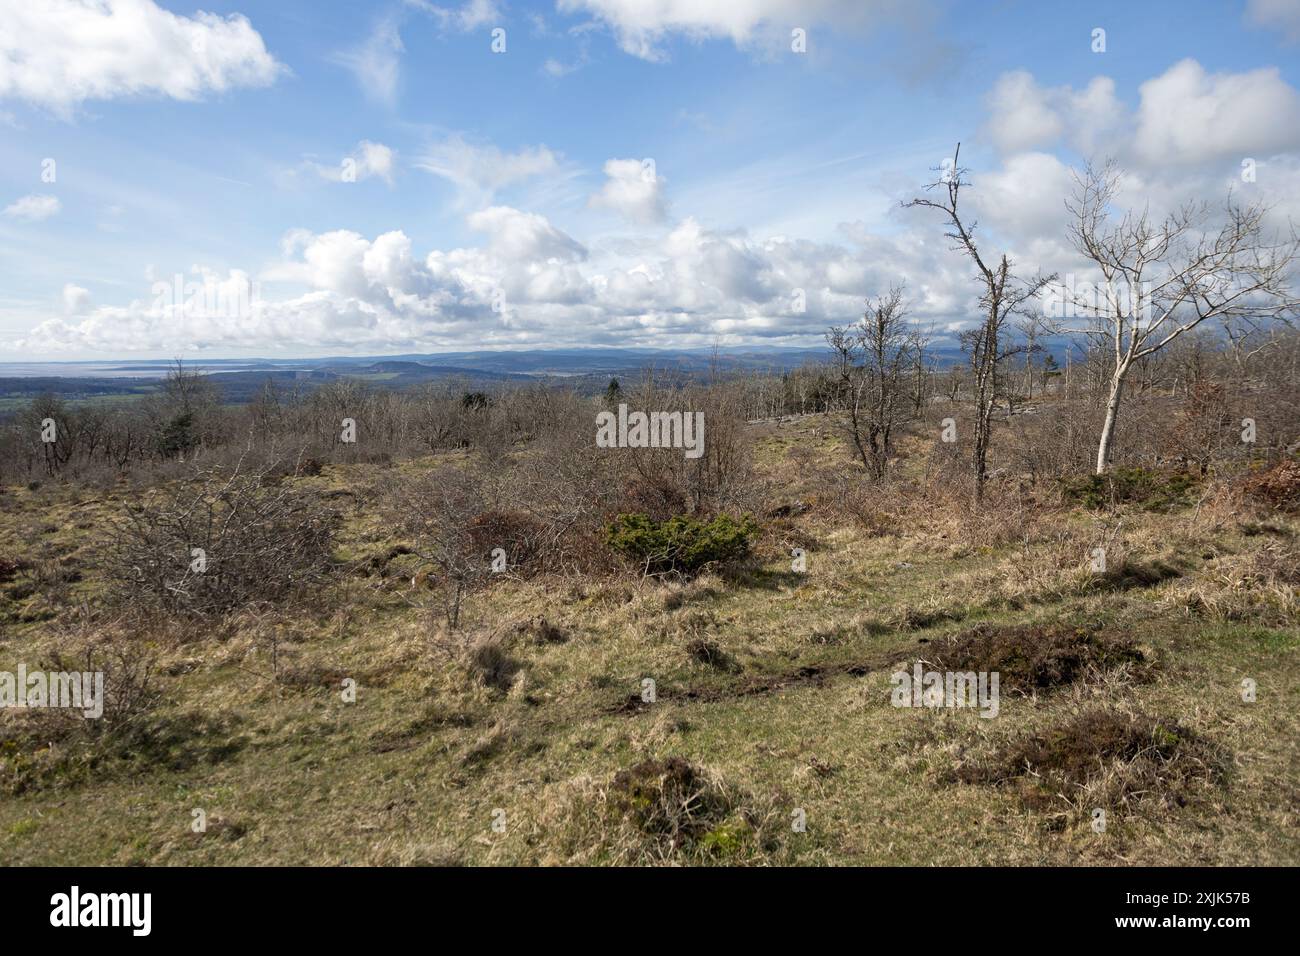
point(1002, 296)
point(1030, 325)
point(438, 510)
point(1162, 279)
point(873, 357)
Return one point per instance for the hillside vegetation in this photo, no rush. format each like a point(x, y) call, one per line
point(472, 637)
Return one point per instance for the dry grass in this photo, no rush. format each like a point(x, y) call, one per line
point(772, 689)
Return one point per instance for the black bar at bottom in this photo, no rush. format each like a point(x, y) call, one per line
point(367, 905)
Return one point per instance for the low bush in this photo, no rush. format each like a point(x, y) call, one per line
point(215, 542)
point(1152, 490)
point(682, 544)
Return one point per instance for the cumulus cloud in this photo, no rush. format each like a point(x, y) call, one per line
point(633, 189)
point(33, 208)
point(528, 283)
point(60, 53)
point(1020, 115)
point(1024, 115)
point(1185, 116)
point(75, 299)
point(524, 236)
point(1025, 199)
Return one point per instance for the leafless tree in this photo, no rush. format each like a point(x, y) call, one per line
point(873, 358)
point(1002, 296)
point(1161, 279)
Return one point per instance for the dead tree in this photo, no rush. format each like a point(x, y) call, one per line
point(1002, 296)
point(874, 356)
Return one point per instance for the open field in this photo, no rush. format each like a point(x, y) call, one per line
point(773, 686)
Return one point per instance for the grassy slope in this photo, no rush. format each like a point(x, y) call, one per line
point(412, 772)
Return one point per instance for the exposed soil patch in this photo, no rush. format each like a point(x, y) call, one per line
point(1032, 657)
point(419, 730)
point(813, 674)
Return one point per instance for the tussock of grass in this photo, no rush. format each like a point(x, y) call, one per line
point(667, 811)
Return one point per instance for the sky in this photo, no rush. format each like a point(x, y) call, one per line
point(319, 177)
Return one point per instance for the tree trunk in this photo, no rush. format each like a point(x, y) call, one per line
point(1112, 410)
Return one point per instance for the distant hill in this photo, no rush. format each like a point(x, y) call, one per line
point(587, 369)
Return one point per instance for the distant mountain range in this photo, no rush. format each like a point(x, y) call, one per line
point(240, 379)
point(588, 369)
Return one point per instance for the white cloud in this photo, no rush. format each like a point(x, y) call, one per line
point(633, 189)
point(59, 53)
point(1188, 115)
point(75, 299)
point(367, 160)
point(555, 68)
point(1024, 115)
point(1283, 15)
point(524, 236)
point(1020, 115)
point(530, 283)
point(468, 16)
point(33, 208)
point(527, 281)
point(482, 170)
point(377, 63)
point(1025, 199)
point(1185, 116)
point(1097, 118)
point(640, 26)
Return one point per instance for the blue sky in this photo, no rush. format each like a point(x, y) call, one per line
point(655, 174)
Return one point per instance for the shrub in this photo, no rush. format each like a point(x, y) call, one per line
point(261, 543)
point(517, 533)
point(682, 543)
point(1153, 490)
point(178, 436)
